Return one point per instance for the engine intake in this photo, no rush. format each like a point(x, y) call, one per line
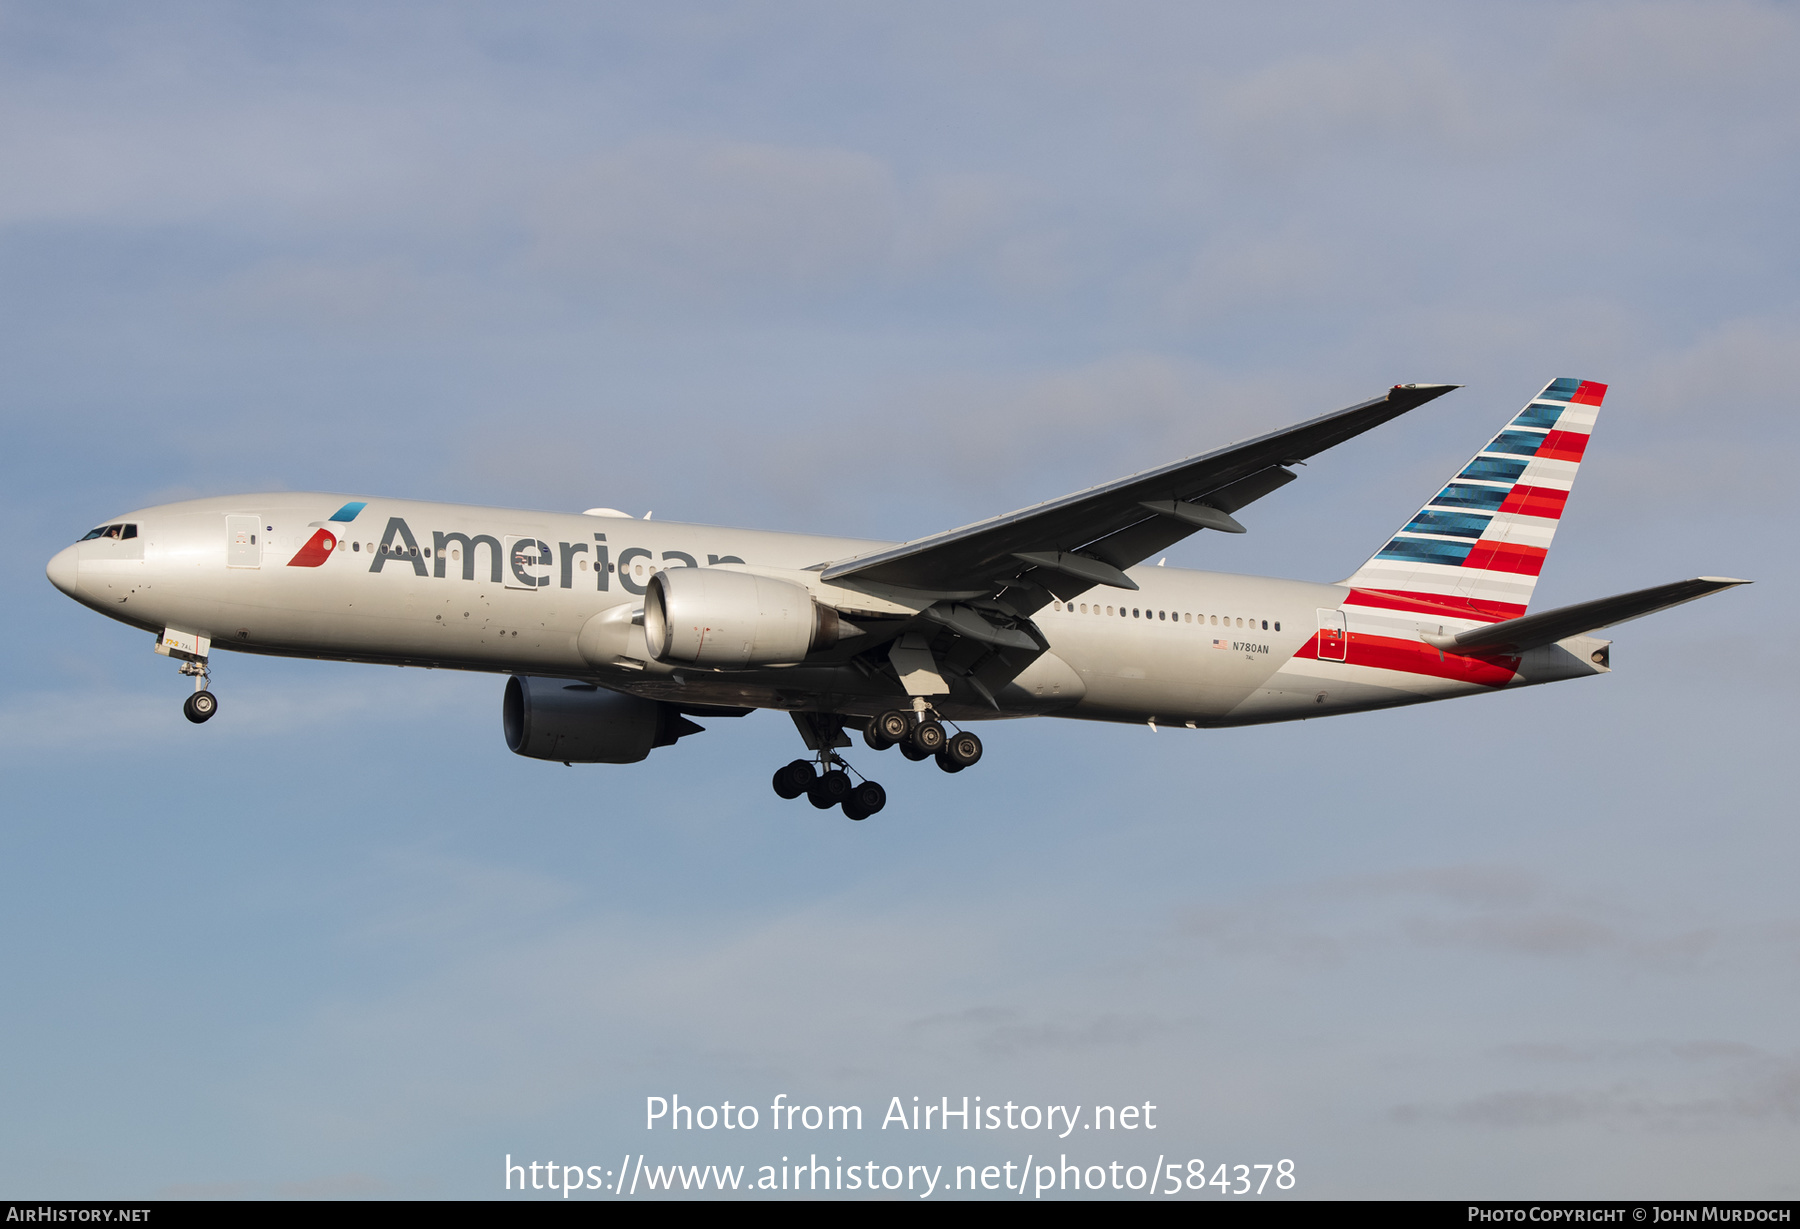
point(729, 620)
point(579, 723)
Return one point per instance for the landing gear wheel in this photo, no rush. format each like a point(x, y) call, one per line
point(866, 798)
point(929, 737)
point(200, 706)
point(892, 725)
point(948, 764)
point(829, 790)
point(792, 779)
point(964, 748)
point(873, 737)
point(913, 753)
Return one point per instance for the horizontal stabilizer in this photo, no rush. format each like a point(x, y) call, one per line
point(1515, 636)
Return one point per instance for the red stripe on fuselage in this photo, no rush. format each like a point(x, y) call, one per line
point(1417, 657)
point(1543, 501)
point(1444, 605)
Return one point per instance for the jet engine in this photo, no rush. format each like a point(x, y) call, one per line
point(579, 723)
point(728, 619)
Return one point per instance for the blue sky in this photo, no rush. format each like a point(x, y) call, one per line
point(880, 273)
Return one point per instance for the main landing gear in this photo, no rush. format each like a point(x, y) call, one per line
point(831, 788)
point(826, 782)
point(921, 736)
point(202, 704)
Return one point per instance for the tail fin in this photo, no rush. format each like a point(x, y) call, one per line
point(1474, 552)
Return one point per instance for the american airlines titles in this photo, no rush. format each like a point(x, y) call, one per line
point(522, 562)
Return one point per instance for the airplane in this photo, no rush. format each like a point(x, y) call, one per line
point(615, 631)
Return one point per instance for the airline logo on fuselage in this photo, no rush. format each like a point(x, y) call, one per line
point(517, 564)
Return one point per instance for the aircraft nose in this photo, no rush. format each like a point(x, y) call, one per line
point(62, 570)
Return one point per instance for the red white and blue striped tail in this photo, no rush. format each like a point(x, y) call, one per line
point(1474, 552)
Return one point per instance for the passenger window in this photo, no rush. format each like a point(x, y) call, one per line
point(1187, 618)
point(356, 546)
point(1162, 615)
point(1109, 610)
point(1215, 621)
point(1265, 625)
point(1135, 613)
point(1278, 625)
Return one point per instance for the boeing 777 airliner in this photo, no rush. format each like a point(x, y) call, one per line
point(615, 631)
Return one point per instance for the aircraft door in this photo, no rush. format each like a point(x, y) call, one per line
point(1332, 637)
point(528, 563)
point(242, 550)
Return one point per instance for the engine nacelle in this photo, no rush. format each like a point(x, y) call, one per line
point(729, 619)
point(579, 723)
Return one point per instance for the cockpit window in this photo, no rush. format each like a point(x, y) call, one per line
point(111, 531)
point(130, 531)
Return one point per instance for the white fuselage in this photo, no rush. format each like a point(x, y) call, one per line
point(1188, 647)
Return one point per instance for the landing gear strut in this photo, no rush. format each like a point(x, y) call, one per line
point(202, 704)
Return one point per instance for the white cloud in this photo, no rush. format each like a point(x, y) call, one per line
point(702, 217)
point(1279, 116)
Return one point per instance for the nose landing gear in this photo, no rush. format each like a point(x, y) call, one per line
point(191, 649)
point(200, 706)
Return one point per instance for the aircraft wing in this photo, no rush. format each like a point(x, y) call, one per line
point(1515, 636)
point(1068, 545)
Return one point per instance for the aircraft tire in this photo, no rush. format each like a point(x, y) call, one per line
point(852, 811)
point(929, 737)
point(913, 753)
point(829, 790)
point(964, 748)
point(873, 737)
point(892, 725)
point(947, 763)
point(200, 706)
point(869, 798)
point(792, 779)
